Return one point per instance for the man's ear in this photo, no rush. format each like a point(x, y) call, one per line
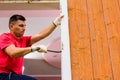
point(10, 26)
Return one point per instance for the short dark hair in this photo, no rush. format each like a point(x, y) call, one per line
point(15, 18)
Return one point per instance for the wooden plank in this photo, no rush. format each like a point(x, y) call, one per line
point(112, 13)
point(80, 40)
point(99, 39)
point(100, 50)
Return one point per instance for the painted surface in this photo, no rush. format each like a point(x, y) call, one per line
point(52, 58)
point(94, 39)
point(65, 58)
point(30, 13)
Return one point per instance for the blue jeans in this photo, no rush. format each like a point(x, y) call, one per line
point(13, 76)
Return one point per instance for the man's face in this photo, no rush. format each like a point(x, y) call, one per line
point(18, 28)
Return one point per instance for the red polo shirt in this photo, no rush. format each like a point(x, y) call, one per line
point(8, 64)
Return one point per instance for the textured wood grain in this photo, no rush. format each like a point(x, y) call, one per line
point(94, 27)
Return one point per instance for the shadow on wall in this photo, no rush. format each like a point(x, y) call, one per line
point(39, 67)
point(54, 57)
point(41, 70)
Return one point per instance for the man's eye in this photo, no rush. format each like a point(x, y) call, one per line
point(22, 25)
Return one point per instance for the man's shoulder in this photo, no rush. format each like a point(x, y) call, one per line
point(4, 35)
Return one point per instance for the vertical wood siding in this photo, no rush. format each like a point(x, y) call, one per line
point(94, 27)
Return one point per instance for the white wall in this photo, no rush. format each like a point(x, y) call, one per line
point(34, 25)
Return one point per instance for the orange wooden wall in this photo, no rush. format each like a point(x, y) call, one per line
point(94, 27)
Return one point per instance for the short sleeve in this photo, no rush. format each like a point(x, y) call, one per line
point(5, 41)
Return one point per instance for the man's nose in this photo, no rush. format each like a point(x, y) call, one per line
point(24, 28)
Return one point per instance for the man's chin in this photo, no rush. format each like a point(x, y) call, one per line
point(20, 35)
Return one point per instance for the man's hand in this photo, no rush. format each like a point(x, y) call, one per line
point(57, 21)
point(40, 48)
point(43, 48)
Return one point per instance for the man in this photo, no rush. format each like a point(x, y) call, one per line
point(13, 46)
